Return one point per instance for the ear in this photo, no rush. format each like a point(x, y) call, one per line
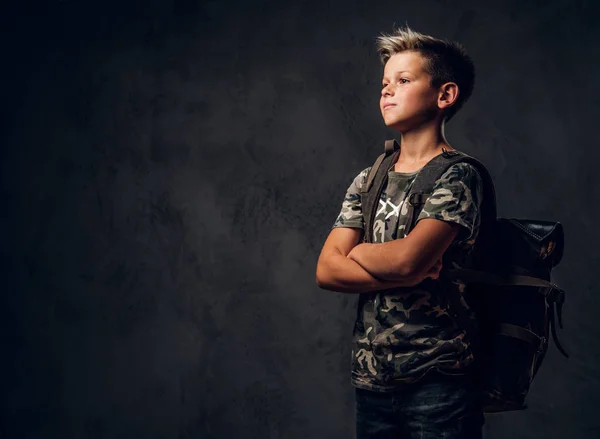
point(448, 93)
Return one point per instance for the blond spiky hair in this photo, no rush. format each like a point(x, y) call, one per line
point(445, 61)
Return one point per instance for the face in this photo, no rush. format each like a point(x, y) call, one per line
point(407, 97)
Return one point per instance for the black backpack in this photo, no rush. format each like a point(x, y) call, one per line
point(507, 279)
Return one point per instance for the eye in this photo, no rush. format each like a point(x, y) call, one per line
point(403, 80)
point(383, 85)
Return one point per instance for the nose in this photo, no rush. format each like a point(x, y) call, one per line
point(386, 91)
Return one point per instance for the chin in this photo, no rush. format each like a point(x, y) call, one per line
point(395, 123)
point(407, 123)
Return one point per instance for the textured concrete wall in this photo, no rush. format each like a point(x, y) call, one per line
point(170, 172)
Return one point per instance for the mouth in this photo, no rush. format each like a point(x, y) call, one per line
point(386, 106)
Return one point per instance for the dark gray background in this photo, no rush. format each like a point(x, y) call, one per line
point(171, 170)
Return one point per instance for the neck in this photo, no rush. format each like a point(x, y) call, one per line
point(423, 142)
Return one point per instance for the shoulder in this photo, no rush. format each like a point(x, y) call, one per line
point(359, 180)
point(362, 175)
point(461, 176)
point(462, 170)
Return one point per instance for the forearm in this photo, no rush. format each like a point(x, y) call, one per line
point(383, 260)
point(342, 274)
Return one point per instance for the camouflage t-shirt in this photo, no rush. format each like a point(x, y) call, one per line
point(401, 334)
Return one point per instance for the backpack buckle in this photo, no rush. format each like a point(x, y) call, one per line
point(449, 154)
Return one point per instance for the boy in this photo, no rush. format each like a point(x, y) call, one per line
point(411, 362)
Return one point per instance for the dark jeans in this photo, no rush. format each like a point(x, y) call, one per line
point(441, 407)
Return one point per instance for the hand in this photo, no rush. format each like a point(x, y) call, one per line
point(353, 253)
point(434, 271)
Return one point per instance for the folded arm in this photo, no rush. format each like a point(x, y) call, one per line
point(411, 256)
point(337, 272)
point(453, 207)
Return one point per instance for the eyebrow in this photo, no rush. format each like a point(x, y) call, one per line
point(397, 73)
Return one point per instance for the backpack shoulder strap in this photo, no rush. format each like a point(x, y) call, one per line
point(433, 170)
point(391, 146)
point(376, 179)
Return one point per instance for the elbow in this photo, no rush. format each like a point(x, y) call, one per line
point(321, 278)
point(320, 283)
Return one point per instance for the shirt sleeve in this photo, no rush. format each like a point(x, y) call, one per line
point(351, 212)
point(456, 197)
